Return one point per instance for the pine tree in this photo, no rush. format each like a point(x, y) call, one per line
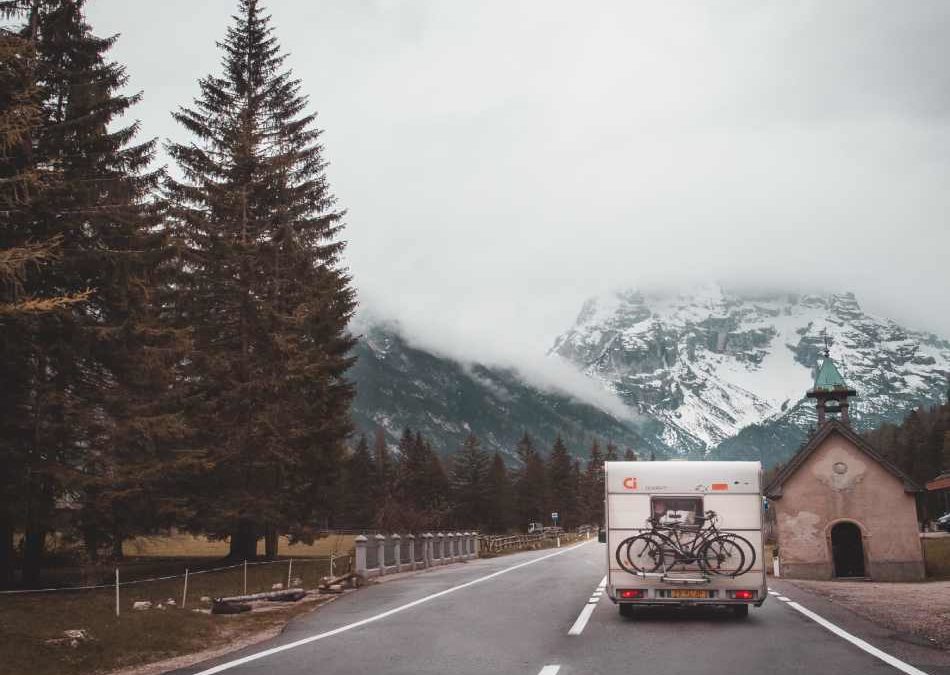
point(359, 487)
point(500, 511)
point(78, 377)
point(469, 482)
point(629, 455)
point(530, 483)
point(594, 486)
point(611, 454)
point(263, 287)
point(562, 482)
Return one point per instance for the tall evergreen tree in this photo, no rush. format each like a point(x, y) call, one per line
point(77, 376)
point(562, 483)
point(500, 512)
point(264, 290)
point(611, 454)
point(530, 483)
point(469, 481)
point(629, 455)
point(359, 487)
point(594, 486)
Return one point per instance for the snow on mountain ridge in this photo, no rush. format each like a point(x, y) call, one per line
point(708, 363)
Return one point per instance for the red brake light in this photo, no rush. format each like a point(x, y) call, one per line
point(631, 593)
point(744, 595)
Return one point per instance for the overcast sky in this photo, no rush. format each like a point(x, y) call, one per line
point(501, 161)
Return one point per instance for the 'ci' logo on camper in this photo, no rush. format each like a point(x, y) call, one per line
point(630, 483)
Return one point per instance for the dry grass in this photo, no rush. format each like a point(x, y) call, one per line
point(133, 639)
point(138, 637)
point(188, 545)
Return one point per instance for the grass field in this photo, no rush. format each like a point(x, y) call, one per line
point(188, 545)
point(138, 637)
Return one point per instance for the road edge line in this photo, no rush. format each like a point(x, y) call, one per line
point(362, 622)
point(856, 641)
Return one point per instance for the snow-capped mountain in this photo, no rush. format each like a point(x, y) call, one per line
point(708, 364)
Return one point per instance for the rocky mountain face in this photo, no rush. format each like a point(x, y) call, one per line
point(724, 374)
point(399, 385)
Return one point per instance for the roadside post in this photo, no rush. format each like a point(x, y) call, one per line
point(184, 591)
point(117, 591)
point(558, 535)
point(290, 571)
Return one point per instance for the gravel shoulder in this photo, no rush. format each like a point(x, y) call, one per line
point(918, 610)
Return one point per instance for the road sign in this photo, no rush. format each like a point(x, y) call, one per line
point(554, 515)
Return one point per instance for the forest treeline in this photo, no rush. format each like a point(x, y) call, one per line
point(411, 490)
point(173, 343)
point(920, 446)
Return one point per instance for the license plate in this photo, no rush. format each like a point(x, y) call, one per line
point(692, 593)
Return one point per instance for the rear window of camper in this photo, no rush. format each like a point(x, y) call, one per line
point(684, 510)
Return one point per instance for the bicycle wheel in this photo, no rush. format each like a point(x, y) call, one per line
point(748, 550)
point(722, 556)
point(642, 553)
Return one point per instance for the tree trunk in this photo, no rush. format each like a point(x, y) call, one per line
point(33, 544)
point(6, 552)
point(271, 541)
point(243, 544)
point(117, 539)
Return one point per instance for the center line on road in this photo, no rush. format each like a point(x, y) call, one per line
point(409, 605)
point(550, 670)
point(858, 642)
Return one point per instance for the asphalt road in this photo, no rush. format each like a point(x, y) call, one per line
point(513, 615)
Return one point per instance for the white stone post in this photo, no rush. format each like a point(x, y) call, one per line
point(412, 550)
point(440, 546)
point(427, 549)
point(469, 547)
point(476, 544)
point(450, 536)
point(360, 544)
point(381, 553)
point(458, 546)
point(397, 550)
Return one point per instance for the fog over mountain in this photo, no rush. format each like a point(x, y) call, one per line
point(502, 161)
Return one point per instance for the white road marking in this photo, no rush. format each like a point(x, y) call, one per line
point(581, 622)
point(783, 598)
point(858, 642)
point(409, 605)
point(582, 619)
point(771, 592)
point(550, 670)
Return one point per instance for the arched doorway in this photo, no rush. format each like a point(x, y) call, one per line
point(847, 550)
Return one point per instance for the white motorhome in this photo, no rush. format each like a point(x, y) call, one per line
point(659, 518)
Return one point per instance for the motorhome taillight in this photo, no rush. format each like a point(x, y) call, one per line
point(743, 595)
point(631, 593)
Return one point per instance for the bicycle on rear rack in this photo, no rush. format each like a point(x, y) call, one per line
point(666, 545)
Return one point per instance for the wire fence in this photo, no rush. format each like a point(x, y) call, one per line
point(194, 589)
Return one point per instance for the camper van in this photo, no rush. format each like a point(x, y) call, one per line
point(684, 533)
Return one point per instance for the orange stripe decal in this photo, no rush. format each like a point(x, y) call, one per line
point(720, 486)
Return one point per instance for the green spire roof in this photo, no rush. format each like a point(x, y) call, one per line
point(828, 378)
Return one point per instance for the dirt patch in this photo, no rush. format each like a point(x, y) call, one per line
point(919, 611)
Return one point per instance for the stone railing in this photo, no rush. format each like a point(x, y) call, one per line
point(380, 555)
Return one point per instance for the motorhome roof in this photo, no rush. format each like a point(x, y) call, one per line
point(683, 477)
